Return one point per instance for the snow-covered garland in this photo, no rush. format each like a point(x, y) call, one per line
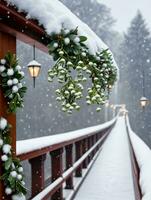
point(74, 65)
point(12, 169)
point(10, 80)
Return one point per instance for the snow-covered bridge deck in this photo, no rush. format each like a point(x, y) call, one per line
point(111, 175)
point(120, 158)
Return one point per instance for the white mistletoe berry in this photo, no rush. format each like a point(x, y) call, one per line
point(61, 53)
point(55, 45)
point(20, 85)
point(1, 142)
point(8, 191)
point(10, 72)
point(2, 68)
point(22, 73)
point(98, 109)
point(4, 158)
point(20, 169)
point(15, 81)
point(3, 123)
point(14, 89)
point(6, 148)
point(19, 177)
point(3, 61)
point(76, 40)
point(18, 68)
point(66, 41)
point(9, 82)
point(13, 174)
point(83, 54)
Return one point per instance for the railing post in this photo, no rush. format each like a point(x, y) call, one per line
point(37, 173)
point(89, 146)
point(92, 143)
point(97, 139)
point(57, 170)
point(78, 146)
point(69, 163)
point(85, 148)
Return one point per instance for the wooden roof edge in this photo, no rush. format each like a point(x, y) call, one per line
point(26, 30)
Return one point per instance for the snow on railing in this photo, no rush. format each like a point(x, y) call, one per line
point(84, 143)
point(143, 157)
point(29, 145)
point(135, 163)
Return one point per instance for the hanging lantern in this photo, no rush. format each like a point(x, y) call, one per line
point(34, 68)
point(144, 102)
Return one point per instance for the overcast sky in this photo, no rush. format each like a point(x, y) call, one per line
point(125, 10)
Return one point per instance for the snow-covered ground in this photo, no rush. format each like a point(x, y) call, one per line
point(111, 175)
point(143, 156)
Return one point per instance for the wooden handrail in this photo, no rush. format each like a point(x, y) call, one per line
point(135, 167)
point(25, 149)
point(87, 144)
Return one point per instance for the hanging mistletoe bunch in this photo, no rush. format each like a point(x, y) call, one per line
point(10, 80)
point(13, 171)
point(74, 65)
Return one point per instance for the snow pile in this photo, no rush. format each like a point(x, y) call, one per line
point(111, 176)
point(53, 15)
point(25, 146)
point(143, 156)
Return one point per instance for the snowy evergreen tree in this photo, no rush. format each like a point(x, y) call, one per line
point(135, 66)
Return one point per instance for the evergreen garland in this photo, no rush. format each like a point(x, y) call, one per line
point(12, 169)
point(74, 65)
point(10, 80)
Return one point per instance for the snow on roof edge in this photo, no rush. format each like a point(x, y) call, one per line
point(53, 15)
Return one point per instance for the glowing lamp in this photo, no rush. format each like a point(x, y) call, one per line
point(144, 102)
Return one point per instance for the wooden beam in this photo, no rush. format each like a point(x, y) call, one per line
point(26, 30)
point(7, 43)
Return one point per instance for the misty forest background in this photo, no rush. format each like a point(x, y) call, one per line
point(41, 115)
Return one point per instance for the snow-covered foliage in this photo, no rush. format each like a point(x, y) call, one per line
point(143, 156)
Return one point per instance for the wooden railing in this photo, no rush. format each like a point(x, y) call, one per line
point(85, 144)
point(135, 167)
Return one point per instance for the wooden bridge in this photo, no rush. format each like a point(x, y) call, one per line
point(69, 172)
point(73, 155)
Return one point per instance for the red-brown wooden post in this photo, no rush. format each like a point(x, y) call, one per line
point(97, 139)
point(89, 146)
point(85, 148)
point(69, 163)
point(78, 146)
point(7, 43)
point(37, 174)
point(57, 170)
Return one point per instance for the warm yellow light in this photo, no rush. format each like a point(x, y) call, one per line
point(34, 68)
point(144, 102)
